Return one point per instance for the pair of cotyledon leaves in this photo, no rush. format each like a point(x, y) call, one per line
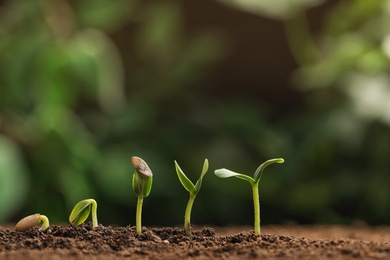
point(225, 173)
point(187, 183)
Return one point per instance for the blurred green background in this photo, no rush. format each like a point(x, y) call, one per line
point(86, 84)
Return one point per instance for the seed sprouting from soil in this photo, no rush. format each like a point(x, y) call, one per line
point(32, 221)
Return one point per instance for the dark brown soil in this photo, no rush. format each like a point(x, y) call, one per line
point(276, 242)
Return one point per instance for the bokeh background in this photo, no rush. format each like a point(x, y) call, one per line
point(86, 84)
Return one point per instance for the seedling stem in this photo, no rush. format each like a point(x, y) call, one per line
point(256, 207)
point(187, 216)
point(138, 218)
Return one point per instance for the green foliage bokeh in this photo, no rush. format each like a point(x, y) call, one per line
point(85, 85)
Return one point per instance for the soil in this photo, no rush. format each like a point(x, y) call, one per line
point(275, 242)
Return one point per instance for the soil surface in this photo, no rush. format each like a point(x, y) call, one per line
point(275, 242)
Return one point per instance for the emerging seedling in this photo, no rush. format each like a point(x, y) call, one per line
point(32, 221)
point(224, 173)
point(192, 189)
point(142, 185)
point(81, 212)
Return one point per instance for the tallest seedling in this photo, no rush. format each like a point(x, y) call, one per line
point(142, 184)
point(225, 173)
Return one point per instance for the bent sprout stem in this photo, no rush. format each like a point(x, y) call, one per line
point(94, 213)
point(81, 211)
point(45, 222)
point(225, 173)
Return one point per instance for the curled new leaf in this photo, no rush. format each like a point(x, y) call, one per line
point(260, 169)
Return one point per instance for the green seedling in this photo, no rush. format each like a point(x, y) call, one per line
point(142, 185)
point(225, 173)
point(32, 221)
point(192, 189)
point(81, 212)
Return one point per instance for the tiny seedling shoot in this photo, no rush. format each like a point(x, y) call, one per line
point(81, 212)
point(32, 221)
point(192, 189)
point(225, 173)
point(142, 185)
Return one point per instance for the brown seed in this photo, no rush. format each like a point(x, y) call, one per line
point(141, 166)
point(28, 222)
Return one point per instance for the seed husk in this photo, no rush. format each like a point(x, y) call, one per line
point(28, 222)
point(141, 166)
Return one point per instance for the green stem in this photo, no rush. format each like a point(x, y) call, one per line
point(94, 213)
point(139, 215)
point(256, 207)
point(187, 216)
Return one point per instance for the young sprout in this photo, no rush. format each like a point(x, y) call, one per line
point(142, 184)
point(32, 221)
point(81, 212)
point(192, 189)
point(224, 173)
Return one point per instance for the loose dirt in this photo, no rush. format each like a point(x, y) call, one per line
point(275, 242)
